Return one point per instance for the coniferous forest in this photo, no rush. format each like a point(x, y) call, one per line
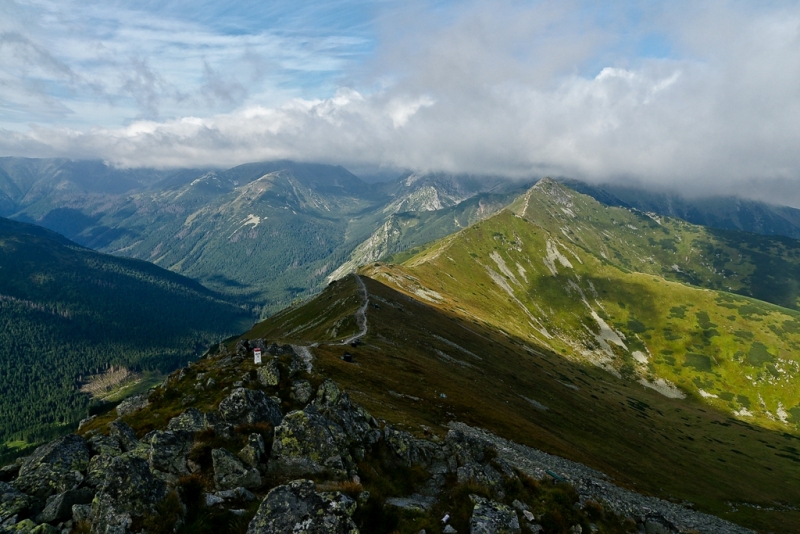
point(67, 312)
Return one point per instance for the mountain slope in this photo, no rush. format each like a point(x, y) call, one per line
point(421, 365)
point(727, 213)
point(553, 281)
point(68, 312)
point(268, 232)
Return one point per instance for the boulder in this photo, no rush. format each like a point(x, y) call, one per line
point(268, 373)
point(129, 489)
point(168, 451)
point(307, 443)
point(490, 517)
point(230, 472)
point(12, 502)
point(192, 420)
point(297, 507)
point(254, 452)
point(249, 406)
point(334, 404)
point(100, 444)
point(54, 467)
point(301, 391)
point(8, 472)
point(235, 495)
point(96, 473)
point(410, 450)
point(131, 404)
point(59, 507)
point(124, 433)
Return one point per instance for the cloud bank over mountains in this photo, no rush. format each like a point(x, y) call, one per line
point(700, 98)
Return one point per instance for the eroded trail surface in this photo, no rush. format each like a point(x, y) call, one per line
point(361, 314)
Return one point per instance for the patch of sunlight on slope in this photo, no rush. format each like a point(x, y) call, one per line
point(666, 336)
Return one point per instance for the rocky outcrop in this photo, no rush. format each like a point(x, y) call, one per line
point(490, 517)
point(54, 467)
point(131, 404)
point(230, 472)
point(269, 374)
point(297, 507)
point(307, 443)
point(59, 507)
point(249, 406)
point(168, 451)
point(13, 503)
point(192, 420)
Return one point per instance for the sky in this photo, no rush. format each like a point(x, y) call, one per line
point(697, 97)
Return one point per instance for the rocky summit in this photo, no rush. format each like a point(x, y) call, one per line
point(225, 445)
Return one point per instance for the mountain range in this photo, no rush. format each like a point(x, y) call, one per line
point(658, 354)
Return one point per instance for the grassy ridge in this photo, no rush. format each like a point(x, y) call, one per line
point(737, 353)
point(424, 365)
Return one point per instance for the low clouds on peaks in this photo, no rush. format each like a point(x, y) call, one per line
point(698, 97)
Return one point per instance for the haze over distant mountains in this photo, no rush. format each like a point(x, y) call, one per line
point(271, 232)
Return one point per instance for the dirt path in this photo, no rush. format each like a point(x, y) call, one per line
point(361, 314)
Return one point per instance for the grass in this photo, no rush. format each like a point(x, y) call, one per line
point(628, 431)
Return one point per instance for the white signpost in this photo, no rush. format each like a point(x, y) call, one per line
point(257, 355)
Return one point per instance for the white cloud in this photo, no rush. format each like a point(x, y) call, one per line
point(550, 88)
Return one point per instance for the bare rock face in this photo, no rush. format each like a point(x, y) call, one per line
point(59, 507)
point(192, 420)
point(12, 502)
point(490, 517)
point(128, 489)
point(307, 443)
point(168, 451)
point(230, 472)
point(269, 374)
point(131, 404)
point(54, 467)
point(249, 406)
point(297, 507)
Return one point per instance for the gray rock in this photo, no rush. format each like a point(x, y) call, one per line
point(449, 530)
point(490, 517)
point(129, 489)
point(124, 433)
point(254, 452)
point(296, 507)
point(307, 443)
point(249, 406)
point(230, 472)
point(414, 503)
point(12, 502)
point(108, 518)
point(59, 507)
point(100, 444)
point(131, 404)
point(54, 467)
point(410, 450)
point(226, 497)
point(96, 473)
point(335, 405)
point(268, 373)
point(81, 512)
point(168, 451)
point(8, 472)
point(192, 420)
point(301, 391)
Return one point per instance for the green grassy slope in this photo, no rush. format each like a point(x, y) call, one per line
point(66, 312)
point(546, 286)
point(424, 365)
point(763, 267)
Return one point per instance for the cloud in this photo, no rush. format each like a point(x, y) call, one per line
point(504, 87)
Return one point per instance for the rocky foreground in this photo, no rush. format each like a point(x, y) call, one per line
point(278, 449)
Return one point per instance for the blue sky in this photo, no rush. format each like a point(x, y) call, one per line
point(702, 97)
